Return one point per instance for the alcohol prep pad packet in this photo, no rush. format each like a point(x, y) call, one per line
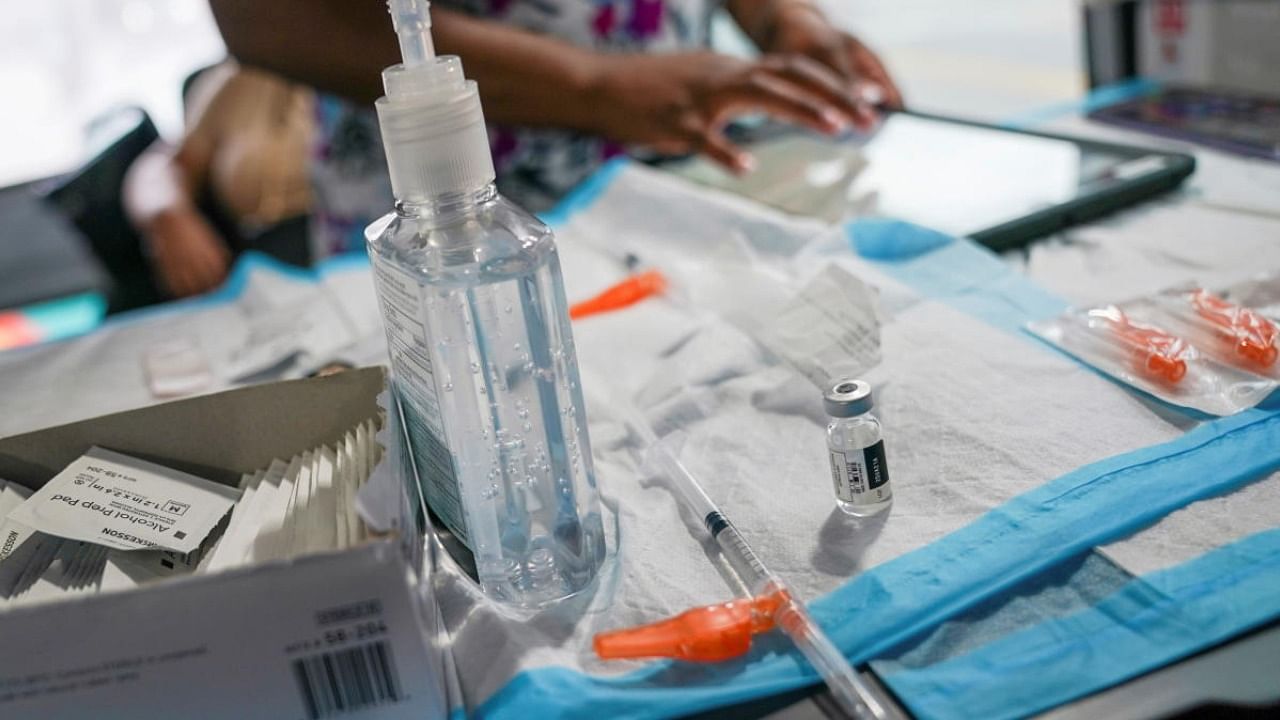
point(126, 503)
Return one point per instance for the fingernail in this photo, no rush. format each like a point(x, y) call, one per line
point(871, 94)
point(834, 120)
point(745, 163)
point(867, 115)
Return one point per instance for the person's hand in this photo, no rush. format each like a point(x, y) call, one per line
point(186, 252)
point(799, 27)
point(679, 103)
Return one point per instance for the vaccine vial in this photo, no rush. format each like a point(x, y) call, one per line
point(855, 446)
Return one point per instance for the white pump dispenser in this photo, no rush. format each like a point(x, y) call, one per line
point(432, 125)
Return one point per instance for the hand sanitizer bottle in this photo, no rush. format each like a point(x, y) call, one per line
point(478, 331)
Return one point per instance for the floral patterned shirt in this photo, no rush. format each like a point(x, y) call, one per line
point(535, 166)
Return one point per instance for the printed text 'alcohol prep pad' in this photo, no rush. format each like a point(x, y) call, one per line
point(123, 502)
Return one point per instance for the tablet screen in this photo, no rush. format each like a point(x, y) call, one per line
point(950, 176)
point(961, 179)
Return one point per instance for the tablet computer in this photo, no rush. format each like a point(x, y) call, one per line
point(998, 186)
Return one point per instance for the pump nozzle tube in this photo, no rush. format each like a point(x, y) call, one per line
point(432, 125)
point(412, 21)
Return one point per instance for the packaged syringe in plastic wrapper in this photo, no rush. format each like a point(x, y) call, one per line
point(1192, 347)
point(1232, 334)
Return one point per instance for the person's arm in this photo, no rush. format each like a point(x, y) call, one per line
point(339, 47)
point(800, 26)
point(524, 78)
point(759, 18)
point(674, 102)
point(187, 254)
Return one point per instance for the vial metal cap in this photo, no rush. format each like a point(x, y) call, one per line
point(848, 398)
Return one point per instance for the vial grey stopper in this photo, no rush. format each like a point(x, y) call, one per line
point(848, 398)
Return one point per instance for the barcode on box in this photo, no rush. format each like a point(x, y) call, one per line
point(345, 681)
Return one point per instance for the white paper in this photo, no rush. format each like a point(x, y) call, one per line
point(273, 535)
point(12, 533)
point(75, 569)
point(271, 541)
point(323, 521)
point(11, 496)
point(86, 573)
point(380, 501)
point(126, 503)
point(27, 563)
point(350, 480)
point(341, 471)
point(313, 329)
point(176, 367)
point(359, 531)
point(46, 583)
point(297, 508)
point(303, 533)
point(828, 330)
point(161, 563)
point(373, 452)
point(248, 487)
point(236, 544)
point(119, 573)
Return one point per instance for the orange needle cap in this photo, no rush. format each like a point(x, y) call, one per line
point(705, 634)
point(1155, 352)
point(1253, 336)
point(626, 293)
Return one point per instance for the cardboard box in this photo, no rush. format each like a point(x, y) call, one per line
point(342, 634)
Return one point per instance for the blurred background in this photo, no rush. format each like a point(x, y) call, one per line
point(122, 187)
point(66, 63)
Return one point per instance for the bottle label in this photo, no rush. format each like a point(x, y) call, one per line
point(861, 476)
point(409, 345)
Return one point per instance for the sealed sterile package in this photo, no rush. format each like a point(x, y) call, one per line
point(1131, 343)
point(1232, 333)
point(825, 327)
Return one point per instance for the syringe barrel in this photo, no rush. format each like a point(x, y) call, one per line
point(661, 456)
point(849, 690)
point(745, 563)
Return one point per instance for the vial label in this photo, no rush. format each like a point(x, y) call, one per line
point(408, 344)
point(861, 476)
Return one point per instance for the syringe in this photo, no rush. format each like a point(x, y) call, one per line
point(850, 691)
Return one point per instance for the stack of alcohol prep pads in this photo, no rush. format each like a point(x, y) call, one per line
point(112, 522)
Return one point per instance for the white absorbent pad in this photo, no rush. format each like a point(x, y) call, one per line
point(973, 416)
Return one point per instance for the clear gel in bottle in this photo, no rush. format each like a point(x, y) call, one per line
point(478, 331)
point(855, 446)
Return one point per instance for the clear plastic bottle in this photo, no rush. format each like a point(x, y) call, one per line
point(855, 445)
point(480, 343)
